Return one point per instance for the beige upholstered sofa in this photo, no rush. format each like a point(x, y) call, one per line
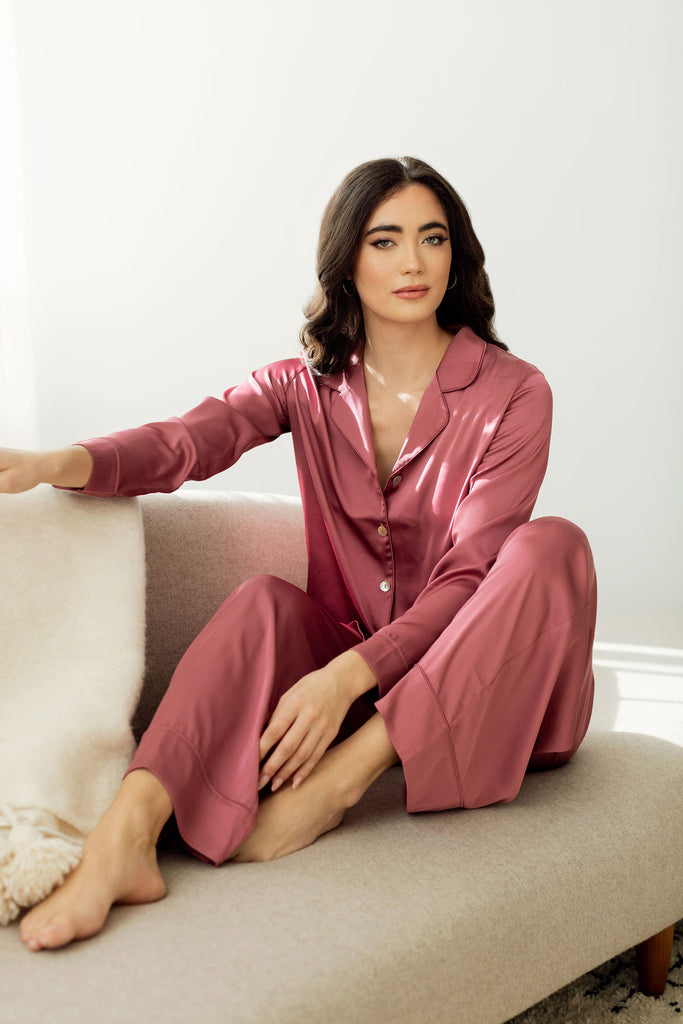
point(465, 917)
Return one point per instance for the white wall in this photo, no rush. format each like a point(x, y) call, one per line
point(18, 409)
point(177, 155)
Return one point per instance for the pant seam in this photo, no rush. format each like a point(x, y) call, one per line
point(512, 657)
point(589, 645)
point(195, 751)
point(447, 729)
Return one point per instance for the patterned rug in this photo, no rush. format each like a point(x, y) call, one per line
point(610, 993)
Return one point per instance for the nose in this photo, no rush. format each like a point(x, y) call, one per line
point(412, 259)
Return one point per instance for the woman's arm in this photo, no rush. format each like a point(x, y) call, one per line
point(161, 456)
point(204, 441)
point(22, 470)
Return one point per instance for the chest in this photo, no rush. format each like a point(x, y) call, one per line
point(391, 417)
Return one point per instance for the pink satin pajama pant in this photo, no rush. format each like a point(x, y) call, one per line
point(507, 688)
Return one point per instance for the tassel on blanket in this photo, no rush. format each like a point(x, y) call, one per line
point(34, 859)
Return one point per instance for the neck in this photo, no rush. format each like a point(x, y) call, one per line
point(404, 352)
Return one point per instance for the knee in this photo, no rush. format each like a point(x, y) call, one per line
point(550, 534)
point(553, 545)
point(265, 586)
point(263, 597)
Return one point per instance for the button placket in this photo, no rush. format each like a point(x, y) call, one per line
point(385, 585)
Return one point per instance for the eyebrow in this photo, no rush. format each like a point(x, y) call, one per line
point(397, 229)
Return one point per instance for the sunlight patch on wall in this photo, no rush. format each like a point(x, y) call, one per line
point(639, 689)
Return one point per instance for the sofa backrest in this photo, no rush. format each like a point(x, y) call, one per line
point(199, 546)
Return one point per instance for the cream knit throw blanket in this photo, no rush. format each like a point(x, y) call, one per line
point(71, 666)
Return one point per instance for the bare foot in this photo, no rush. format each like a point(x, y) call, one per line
point(119, 865)
point(291, 819)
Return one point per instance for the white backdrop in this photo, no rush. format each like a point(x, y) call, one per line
point(176, 156)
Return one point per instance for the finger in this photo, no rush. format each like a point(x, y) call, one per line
point(288, 709)
point(278, 725)
point(283, 752)
point(308, 766)
point(300, 757)
point(289, 759)
point(8, 484)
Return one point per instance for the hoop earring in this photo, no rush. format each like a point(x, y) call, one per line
point(455, 281)
point(352, 292)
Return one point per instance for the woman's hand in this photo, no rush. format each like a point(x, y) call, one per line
point(23, 470)
point(19, 470)
point(308, 717)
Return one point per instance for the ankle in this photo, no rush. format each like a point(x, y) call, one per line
point(365, 755)
point(143, 803)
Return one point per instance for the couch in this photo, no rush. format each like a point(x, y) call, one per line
point(465, 917)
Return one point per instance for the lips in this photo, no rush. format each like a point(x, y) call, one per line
point(412, 291)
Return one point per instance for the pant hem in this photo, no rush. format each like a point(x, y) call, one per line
point(210, 823)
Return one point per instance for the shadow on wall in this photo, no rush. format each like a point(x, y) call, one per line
point(638, 689)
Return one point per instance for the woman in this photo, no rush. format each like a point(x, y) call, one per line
point(440, 627)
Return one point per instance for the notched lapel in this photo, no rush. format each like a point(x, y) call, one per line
point(430, 419)
point(349, 405)
point(349, 411)
point(460, 365)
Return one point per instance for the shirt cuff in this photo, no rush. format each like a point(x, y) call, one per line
point(104, 477)
point(385, 659)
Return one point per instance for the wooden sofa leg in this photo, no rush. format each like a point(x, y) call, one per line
point(653, 958)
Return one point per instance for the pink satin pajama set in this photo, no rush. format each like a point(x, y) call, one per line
point(477, 623)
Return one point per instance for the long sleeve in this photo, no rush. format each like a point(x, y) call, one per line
point(501, 496)
point(205, 441)
point(400, 560)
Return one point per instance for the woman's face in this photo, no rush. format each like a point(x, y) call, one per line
point(404, 258)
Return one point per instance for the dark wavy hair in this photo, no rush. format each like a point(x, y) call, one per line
point(334, 320)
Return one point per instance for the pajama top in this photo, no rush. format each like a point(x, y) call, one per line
point(397, 563)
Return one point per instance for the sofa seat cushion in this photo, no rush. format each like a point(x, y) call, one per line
point(461, 917)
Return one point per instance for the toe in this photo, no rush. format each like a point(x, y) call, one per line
point(29, 936)
point(53, 937)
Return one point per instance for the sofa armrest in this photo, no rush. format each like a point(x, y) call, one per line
point(199, 546)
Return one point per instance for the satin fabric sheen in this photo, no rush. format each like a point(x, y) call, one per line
point(468, 474)
point(477, 624)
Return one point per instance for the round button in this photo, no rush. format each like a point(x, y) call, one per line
point(397, 479)
point(384, 586)
point(382, 530)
